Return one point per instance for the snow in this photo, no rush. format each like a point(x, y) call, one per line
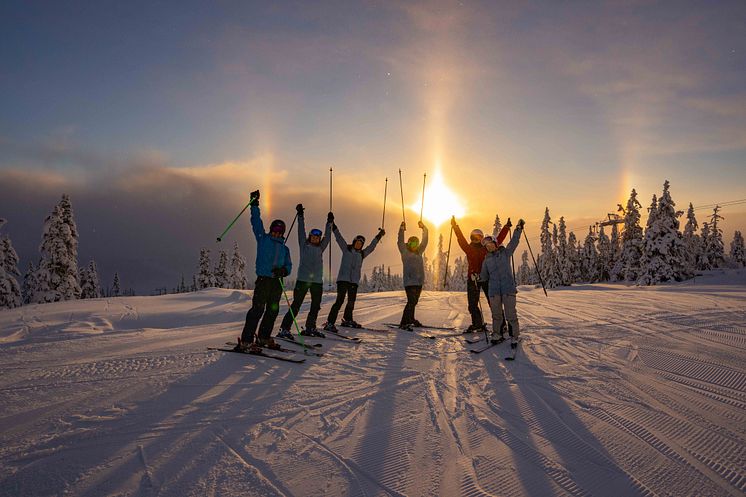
point(617, 390)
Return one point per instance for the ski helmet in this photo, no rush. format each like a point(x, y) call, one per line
point(277, 226)
point(359, 238)
point(487, 239)
point(315, 232)
point(413, 242)
point(476, 235)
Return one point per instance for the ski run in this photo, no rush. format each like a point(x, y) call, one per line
point(616, 390)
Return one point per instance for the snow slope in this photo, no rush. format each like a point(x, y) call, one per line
point(616, 391)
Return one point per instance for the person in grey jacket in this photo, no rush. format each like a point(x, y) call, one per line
point(497, 271)
point(348, 277)
point(414, 272)
point(310, 276)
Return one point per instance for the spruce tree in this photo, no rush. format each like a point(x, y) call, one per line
point(715, 244)
point(604, 256)
point(205, 278)
point(704, 261)
point(692, 241)
point(457, 280)
point(590, 258)
point(10, 291)
point(496, 227)
point(574, 255)
point(57, 275)
point(116, 288)
point(29, 284)
point(616, 251)
point(222, 279)
point(737, 254)
point(563, 255)
point(525, 275)
point(628, 266)
point(90, 288)
point(238, 269)
point(547, 258)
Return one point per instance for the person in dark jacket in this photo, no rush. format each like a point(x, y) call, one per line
point(497, 271)
point(272, 263)
point(414, 272)
point(475, 253)
point(310, 275)
point(348, 276)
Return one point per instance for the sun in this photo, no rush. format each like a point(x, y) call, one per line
point(440, 201)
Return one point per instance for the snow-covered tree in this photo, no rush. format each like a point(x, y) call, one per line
point(57, 274)
point(116, 286)
point(715, 247)
point(222, 278)
point(547, 259)
point(604, 256)
point(564, 260)
point(737, 253)
point(589, 262)
point(575, 257)
point(664, 252)
point(496, 227)
point(10, 291)
point(29, 284)
point(525, 275)
point(205, 278)
point(616, 250)
point(457, 280)
point(692, 241)
point(628, 266)
point(704, 260)
point(238, 269)
point(90, 288)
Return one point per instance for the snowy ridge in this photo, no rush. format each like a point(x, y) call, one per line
point(617, 391)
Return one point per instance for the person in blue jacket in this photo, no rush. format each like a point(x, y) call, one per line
point(497, 271)
point(310, 276)
point(272, 263)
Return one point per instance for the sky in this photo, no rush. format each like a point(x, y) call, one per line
point(159, 118)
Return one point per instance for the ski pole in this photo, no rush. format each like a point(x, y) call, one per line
point(535, 266)
point(512, 261)
point(385, 191)
point(422, 205)
point(330, 210)
point(220, 238)
point(290, 309)
point(291, 227)
point(448, 255)
point(401, 189)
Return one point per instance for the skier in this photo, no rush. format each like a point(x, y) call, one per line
point(272, 263)
point(414, 272)
point(496, 270)
point(475, 253)
point(310, 276)
point(348, 276)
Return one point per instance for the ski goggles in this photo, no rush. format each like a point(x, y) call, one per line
point(277, 228)
point(315, 232)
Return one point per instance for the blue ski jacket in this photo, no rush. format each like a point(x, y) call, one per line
point(270, 252)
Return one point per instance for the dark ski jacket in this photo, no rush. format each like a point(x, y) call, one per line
point(270, 252)
point(497, 270)
point(475, 251)
point(352, 260)
point(413, 265)
point(311, 265)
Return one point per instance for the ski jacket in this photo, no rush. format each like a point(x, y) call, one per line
point(475, 251)
point(270, 252)
point(414, 266)
point(352, 260)
point(311, 265)
point(496, 268)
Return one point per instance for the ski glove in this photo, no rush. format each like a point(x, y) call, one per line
point(279, 272)
point(330, 218)
point(421, 225)
point(381, 232)
point(299, 209)
point(509, 224)
point(453, 222)
point(254, 198)
point(521, 222)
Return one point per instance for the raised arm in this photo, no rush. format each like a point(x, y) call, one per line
point(460, 236)
point(370, 248)
point(340, 239)
point(327, 232)
point(400, 239)
point(513, 243)
point(425, 239)
point(257, 226)
point(302, 241)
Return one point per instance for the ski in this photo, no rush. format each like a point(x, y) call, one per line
point(279, 349)
point(514, 349)
point(262, 354)
point(293, 340)
point(364, 328)
point(306, 348)
point(488, 346)
point(426, 327)
point(473, 340)
point(448, 335)
point(335, 334)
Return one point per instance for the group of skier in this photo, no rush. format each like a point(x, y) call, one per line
point(489, 271)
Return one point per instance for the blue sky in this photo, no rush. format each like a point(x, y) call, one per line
point(520, 105)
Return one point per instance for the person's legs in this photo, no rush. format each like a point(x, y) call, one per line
point(417, 291)
point(258, 303)
point(274, 293)
point(472, 297)
point(317, 290)
point(341, 292)
point(496, 304)
point(511, 314)
point(299, 294)
point(407, 316)
point(351, 297)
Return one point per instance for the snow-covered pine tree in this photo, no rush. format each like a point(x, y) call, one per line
point(590, 258)
point(457, 280)
point(496, 227)
point(574, 255)
point(556, 269)
point(704, 260)
point(364, 284)
point(737, 253)
point(524, 275)
point(116, 286)
point(604, 256)
point(429, 274)
point(715, 244)
point(692, 241)
point(57, 274)
point(205, 278)
point(29, 284)
point(193, 288)
point(664, 253)
point(547, 258)
point(10, 291)
point(615, 250)
point(90, 288)
point(628, 266)
point(441, 266)
point(238, 269)
point(563, 256)
point(222, 278)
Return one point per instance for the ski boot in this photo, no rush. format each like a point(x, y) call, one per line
point(268, 343)
point(314, 332)
point(514, 342)
point(350, 324)
point(496, 337)
point(285, 334)
point(247, 347)
point(406, 327)
point(416, 324)
point(330, 327)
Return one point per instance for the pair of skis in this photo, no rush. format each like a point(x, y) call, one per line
point(513, 348)
point(262, 353)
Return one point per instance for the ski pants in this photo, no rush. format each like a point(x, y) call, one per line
point(413, 296)
point(265, 305)
point(344, 288)
point(299, 295)
point(503, 309)
point(472, 296)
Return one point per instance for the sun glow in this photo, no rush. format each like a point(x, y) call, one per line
point(440, 201)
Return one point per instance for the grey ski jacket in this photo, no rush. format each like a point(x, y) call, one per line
point(496, 268)
point(311, 265)
point(413, 265)
point(352, 260)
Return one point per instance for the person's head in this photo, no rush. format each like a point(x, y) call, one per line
point(277, 228)
point(413, 243)
point(314, 237)
point(476, 236)
point(358, 242)
point(489, 243)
